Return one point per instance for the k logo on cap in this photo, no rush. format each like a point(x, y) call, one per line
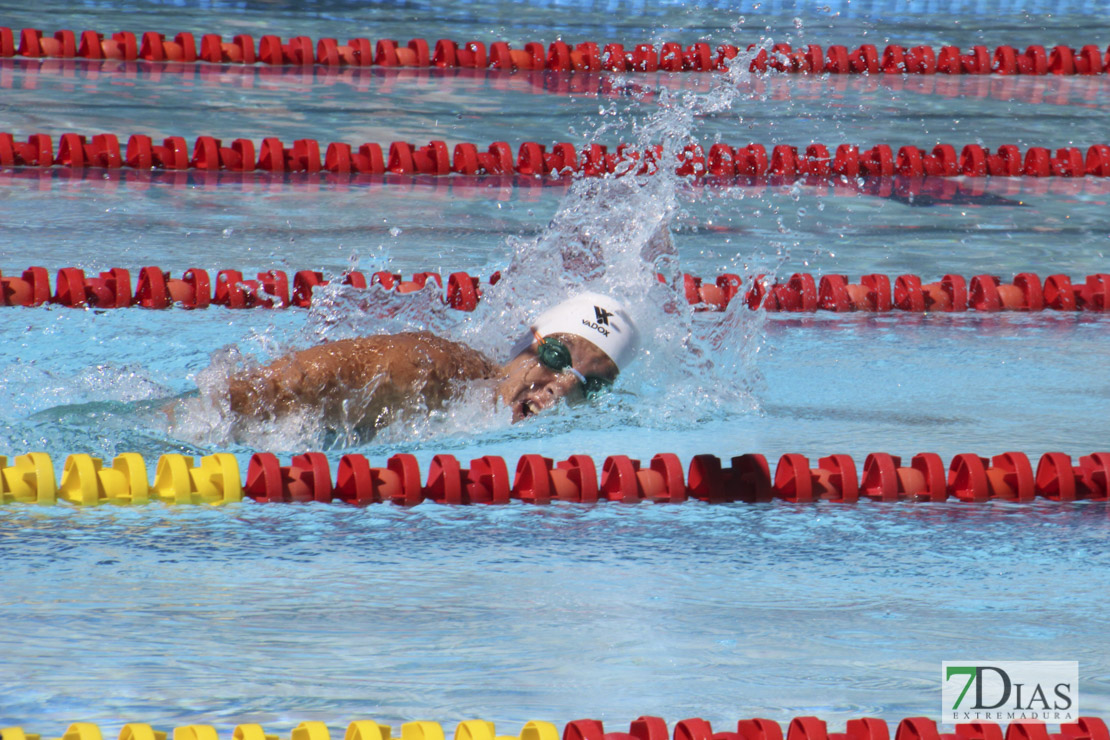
point(610, 328)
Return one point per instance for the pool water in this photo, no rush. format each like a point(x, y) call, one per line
point(278, 614)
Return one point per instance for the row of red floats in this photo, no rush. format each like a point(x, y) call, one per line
point(801, 293)
point(534, 159)
point(196, 288)
point(804, 293)
point(746, 478)
point(558, 57)
point(814, 728)
point(952, 293)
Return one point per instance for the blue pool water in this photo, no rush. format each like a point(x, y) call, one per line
point(278, 614)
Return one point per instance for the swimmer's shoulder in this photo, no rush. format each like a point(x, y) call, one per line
point(401, 341)
point(447, 353)
point(418, 349)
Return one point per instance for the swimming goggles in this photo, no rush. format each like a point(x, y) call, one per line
point(555, 355)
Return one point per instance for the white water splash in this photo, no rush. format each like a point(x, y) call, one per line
point(612, 235)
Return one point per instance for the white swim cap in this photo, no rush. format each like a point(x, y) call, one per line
point(602, 320)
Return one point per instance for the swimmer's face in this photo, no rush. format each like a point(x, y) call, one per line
point(529, 386)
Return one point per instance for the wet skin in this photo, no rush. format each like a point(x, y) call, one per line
point(367, 383)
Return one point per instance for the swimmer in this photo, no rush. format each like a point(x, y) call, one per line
point(572, 351)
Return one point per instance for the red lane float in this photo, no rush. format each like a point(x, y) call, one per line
point(558, 57)
point(885, 479)
point(747, 478)
point(722, 162)
point(641, 728)
point(801, 293)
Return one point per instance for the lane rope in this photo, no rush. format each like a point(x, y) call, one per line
point(33, 43)
point(215, 479)
point(642, 728)
point(77, 151)
point(801, 293)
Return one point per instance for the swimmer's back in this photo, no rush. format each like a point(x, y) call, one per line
point(365, 380)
